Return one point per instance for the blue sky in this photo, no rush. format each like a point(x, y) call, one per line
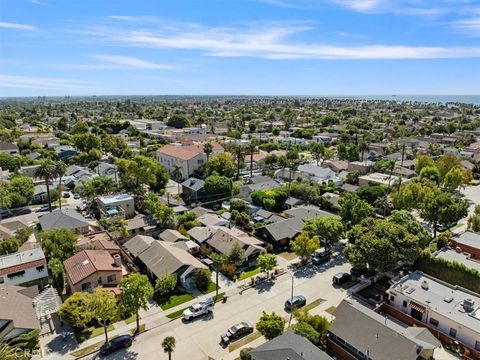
point(270, 47)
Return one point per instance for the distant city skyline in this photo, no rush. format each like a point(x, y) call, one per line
point(239, 47)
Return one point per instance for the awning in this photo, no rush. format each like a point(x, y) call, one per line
point(417, 307)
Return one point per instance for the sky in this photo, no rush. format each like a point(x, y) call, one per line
point(239, 47)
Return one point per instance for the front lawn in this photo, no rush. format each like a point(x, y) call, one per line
point(313, 304)
point(211, 288)
point(131, 319)
point(91, 332)
point(174, 300)
point(251, 271)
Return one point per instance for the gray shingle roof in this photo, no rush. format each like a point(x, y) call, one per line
point(384, 339)
point(63, 218)
point(288, 228)
point(138, 244)
point(288, 346)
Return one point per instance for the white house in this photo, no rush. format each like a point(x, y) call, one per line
point(453, 310)
point(187, 157)
point(24, 268)
point(115, 205)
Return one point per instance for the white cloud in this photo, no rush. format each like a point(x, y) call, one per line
point(45, 83)
point(116, 62)
point(360, 5)
point(16, 26)
point(37, 2)
point(266, 40)
point(469, 26)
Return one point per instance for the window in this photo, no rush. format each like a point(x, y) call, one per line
point(404, 303)
point(1, 280)
point(477, 345)
point(86, 286)
point(453, 332)
point(100, 280)
point(40, 268)
point(433, 322)
point(16, 274)
point(111, 278)
point(392, 298)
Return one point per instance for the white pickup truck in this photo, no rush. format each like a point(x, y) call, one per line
point(199, 309)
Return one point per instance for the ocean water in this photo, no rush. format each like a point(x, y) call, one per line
point(467, 99)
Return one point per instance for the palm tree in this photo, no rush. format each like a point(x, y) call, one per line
point(218, 261)
point(168, 345)
point(177, 175)
point(252, 147)
point(239, 154)
point(7, 352)
point(60, 170)
point(292, 167)
point(208, 149)
point(46, 171)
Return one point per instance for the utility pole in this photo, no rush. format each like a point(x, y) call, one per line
point(291, 299)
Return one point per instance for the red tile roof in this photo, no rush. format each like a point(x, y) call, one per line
point(186, 152)
point(87, 262)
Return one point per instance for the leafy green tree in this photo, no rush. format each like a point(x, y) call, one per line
point(372, 193)
point(446, 163)
point(162, 213)
point(188, 220)
point(267, 262)
point(304, 245)
point(47, 172)
point(442, 209)
point(178, 121)
point(168, 346)
point(9, 245)
point(116, 146)
point(430, 173)
point(87, 141)
point(237, 254)
point(380, 245)
point(271, 325)
point(217, 186)
point(57, 271)
point(353, 209)
point(222, 164)
point(408, 221)
point(208, 149)
point(136, 290)
point(307, 331)
point(410, 195)
point(317, 322)
point(329, 229)
point(202, 277)
point(104, 307)
point(10, 162)
point(165, 284)
point(96, 186)
point(77, 309)
point(21, 190)
point(142, 170)
point(28, 342)
point(453, 179)
point(58, 243)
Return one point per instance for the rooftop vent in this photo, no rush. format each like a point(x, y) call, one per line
point(468, 304)
point(448, 299)
point(458, 249)
point(425, 285)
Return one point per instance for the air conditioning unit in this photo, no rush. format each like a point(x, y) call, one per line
point(425, 285)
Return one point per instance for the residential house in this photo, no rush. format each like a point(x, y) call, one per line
point(88, 269)
point(459, 257)
point(116, 206)
point(322, 175)
point(379, 179)
point(187, 158)
point(360, 333)
point(290, 346)
point(468, 242)
point(66, 218)
point(65, 152)
point(100, 240)
point(450, 309)
point(158, 258)
point(172, 236)
point(336, 165)
point(264, 183)
point(24, 268)
point(106, 169)
point(362, 167)
point(280, 233)
point(9, 148)
point(40, 195)
point(17, 312)
point(193, 190)
point(10, 227)
point(213, 220)
point(307, 212)
point(224, 239)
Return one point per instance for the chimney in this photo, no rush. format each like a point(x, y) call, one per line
point(425, 285)
point(458, 249)
point(117, 260)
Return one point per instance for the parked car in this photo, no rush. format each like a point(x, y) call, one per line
point(199, 309)
point(6, 213)
point(296, 302)
point(236, 332)
point(357, 272)
point(322, 256)
point(66, 195)
point(76, 196)
point(341, 278)
point(45, 208)
point(118, 343)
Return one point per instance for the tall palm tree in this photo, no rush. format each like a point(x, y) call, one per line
point(252, 147)
point(177, 175)
point(46, 171)
point(60, 170)
point(239, 155)
point(168, 345)
point(208, 149)
point(292, 167)
point(218, 261)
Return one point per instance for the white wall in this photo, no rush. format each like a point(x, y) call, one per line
point(30, 275)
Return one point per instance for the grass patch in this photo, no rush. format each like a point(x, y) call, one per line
point(288, 256)
point(211, 288)
point(141, 329)
point(313, 304)
point(91, 332)
point(89, 349)
point(132, 319)
point(175, 300)
point(249, 272)
point(331, 309)
point(243, 341)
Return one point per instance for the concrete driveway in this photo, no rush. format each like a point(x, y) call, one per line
point(200, 339)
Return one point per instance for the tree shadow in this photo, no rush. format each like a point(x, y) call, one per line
point(264, 286)
point(123, 354)
point(62, 346)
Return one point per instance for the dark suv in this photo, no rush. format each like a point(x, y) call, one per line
point(322, 256)
point(118, 343)
point(341, 278)
point(236, 332)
